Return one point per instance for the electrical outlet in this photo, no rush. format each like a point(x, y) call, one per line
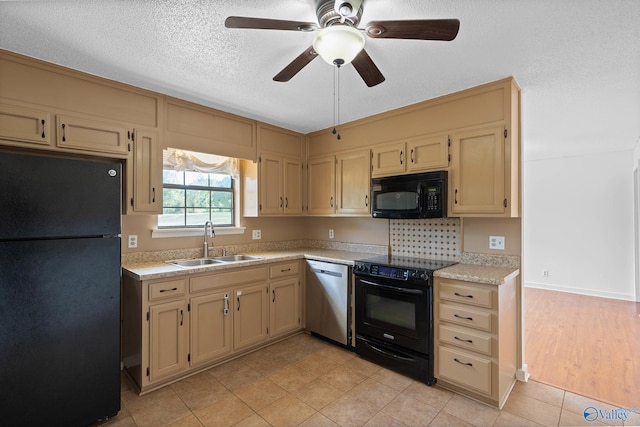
point(256, 234)
point(331, 233)
point(132, 241)
point(496, 242)
point(545, 273)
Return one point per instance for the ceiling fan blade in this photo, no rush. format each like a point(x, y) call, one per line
point(367, 69)
point(268, 24)
point(296, 65)
point(418, 29)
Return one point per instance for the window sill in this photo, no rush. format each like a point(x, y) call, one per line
point(161, 233)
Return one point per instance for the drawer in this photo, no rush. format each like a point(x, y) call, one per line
point(232, 278)
point(466, 316)
point(465, 338)
point(474, 295)
point(282, 270)
point(168, 289)
point(470, 371)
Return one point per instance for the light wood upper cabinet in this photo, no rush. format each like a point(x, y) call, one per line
point(418, 154)
point(353, 180)
point(477, 176)
point(25, 126)
point(321, 178)
point(79, 133)
point(198, 128)
point(428, 153)
point(146, 196)
point(389, 159)
point(274, 185)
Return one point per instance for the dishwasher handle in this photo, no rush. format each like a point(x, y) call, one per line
point(327, 272)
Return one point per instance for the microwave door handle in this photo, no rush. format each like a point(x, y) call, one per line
point(419, 200)
point(393, 288)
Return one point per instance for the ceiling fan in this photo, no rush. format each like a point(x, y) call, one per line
point(340, 42)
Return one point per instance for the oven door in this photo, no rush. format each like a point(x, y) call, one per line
point(395, 312)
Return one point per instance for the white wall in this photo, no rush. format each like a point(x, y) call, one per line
point(578, 224)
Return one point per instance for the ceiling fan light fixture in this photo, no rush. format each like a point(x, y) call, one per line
point(338, 44)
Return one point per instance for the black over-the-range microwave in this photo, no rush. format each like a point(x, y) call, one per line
point(421, 195)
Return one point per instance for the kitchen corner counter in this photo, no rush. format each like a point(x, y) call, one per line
point(159, 269)
point(478, 273)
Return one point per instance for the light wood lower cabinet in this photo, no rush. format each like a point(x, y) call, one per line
point(211, 327)
point(475, 338)
point(175, 327)
point(251, 316)
point(168, 325)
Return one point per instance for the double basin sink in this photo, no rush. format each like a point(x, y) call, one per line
point(199, 262)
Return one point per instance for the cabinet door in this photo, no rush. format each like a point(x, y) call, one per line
point(322, 184)
point(477, 173)
point(147, 172)
point(168, 339)
point(25, 125)
point(89, 135)
point(251, 316)
point(270, 183)
point(389, 159)
point(211, 319)
point(284, 311)
point(428, 153)
point(353, 182)
point(292, 183)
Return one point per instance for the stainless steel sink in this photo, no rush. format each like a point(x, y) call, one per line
point(196, 262)
point(236, 258)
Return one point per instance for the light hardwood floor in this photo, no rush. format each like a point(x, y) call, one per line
point(583, 344)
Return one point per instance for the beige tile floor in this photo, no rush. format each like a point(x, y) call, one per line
point(308, 382)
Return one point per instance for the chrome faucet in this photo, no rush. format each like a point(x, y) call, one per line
point(212, 233)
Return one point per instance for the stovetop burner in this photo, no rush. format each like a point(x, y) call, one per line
point(408, 262)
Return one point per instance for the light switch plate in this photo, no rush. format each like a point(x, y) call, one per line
point(496, 242)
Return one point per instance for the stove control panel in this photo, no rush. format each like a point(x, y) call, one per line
point(390, 272)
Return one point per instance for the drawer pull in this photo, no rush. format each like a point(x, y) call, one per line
point(168, 290)
point(284, 271)
point(460, 339)
point(463, 296)
point(462, 363)
point(462, 317)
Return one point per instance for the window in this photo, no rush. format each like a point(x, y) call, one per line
point(197, 188)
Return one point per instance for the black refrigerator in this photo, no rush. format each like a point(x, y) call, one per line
point(59, 290)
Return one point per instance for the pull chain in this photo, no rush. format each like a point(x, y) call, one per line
point(336, 100)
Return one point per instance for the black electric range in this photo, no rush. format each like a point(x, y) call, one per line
point(394, 313)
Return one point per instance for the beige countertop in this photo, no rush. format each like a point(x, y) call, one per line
point(478, 273)
point(160, 270)
point(467, 272)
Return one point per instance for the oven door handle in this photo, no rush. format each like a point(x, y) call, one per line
point(388, 354)
point(393, 288)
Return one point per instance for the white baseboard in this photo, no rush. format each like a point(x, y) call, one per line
point(522, 374)
point(589, 292)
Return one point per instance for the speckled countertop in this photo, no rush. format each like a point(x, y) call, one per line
point(473, 270)
point(478, 273)
point(159, 270)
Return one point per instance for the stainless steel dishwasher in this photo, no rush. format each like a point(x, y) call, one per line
point(327, 302)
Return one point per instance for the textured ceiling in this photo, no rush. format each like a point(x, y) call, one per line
point(577, 61)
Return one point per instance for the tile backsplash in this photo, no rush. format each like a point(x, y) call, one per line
point(426, 238)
